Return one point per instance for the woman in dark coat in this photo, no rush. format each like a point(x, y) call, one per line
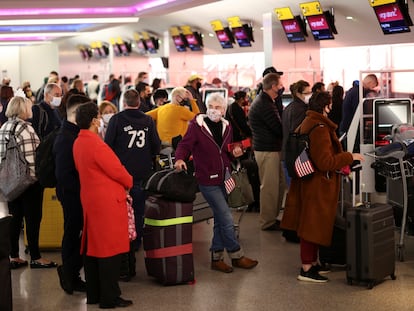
point(311, 203)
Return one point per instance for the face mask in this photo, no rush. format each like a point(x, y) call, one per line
point(107, 117)
point(146, 80)
point(101, 126)
point(185, 102)
point(307, 98)
point(198, 85)
point(214, 115)
point(280, 91)
point(56, 101)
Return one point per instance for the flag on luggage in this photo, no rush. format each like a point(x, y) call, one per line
point(303, 165)
point(229, 182)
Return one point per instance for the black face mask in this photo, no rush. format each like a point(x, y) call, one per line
point(185, 102)
point(198, 85)
point(280, 91)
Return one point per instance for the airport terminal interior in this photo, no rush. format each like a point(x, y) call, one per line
point(232, 41)
point(272, 285)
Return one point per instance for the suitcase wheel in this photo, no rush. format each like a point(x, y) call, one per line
point(371, 285)
point(349, 281)
point(393, 277)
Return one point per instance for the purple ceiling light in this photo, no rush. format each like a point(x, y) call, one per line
point(151, 4)
point(131, 10)
point(66, 11)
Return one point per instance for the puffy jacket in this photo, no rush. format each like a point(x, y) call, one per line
point(210, 160)
point(266, 124)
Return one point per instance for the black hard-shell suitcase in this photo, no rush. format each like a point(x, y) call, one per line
point(370, 244)
point(168, 240)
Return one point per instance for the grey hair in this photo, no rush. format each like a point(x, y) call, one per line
point(217, 98)
point(49, 88)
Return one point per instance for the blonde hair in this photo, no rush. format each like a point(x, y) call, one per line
point(177, 91)
point(17, 107)
point(106, 103)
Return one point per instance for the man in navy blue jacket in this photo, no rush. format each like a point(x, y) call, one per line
point(68, 193)
point(134, 138)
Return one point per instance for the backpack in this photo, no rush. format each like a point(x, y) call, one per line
point(296, 144)
point(14, 169)
point(45, 161)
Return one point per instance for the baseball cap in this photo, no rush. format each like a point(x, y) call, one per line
point(193, 77)
point(272, 70)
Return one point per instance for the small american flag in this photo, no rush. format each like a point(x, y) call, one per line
point(229, 182)
point(303, 165)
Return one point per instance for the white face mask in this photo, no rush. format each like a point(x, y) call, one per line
point(107, 117)
point(56, 101)
point(307, 97)
point(101, 126)
point(214, 115)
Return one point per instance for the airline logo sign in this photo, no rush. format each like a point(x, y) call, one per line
point(389, 14)
point(291, 26)
point(317, 22)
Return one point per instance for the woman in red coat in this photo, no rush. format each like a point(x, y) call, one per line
point(311, 204)
point(104, 182)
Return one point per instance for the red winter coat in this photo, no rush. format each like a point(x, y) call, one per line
point(103, 181)
point(311, 204)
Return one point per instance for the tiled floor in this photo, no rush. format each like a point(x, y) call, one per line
point(272, 285)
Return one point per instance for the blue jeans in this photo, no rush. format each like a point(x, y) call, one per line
point(224, 237)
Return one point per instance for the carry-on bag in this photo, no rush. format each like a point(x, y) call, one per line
point(168, 248)
point(370, 244)
point(172, 185)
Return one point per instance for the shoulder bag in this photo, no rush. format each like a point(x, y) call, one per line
point(14, 170)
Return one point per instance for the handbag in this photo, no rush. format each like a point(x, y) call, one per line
point(14, 170)
point(242, 194)
point(173, 185)
point(132, 232)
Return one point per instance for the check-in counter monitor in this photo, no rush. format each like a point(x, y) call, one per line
point(387, 113)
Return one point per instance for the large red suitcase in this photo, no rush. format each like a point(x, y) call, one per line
point(168, 240)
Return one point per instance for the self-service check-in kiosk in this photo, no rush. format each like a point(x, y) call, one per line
point(375, 118)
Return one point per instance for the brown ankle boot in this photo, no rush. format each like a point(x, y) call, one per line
point(244, 263)
point(220, 265)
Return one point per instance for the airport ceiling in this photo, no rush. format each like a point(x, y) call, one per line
point(157, 16)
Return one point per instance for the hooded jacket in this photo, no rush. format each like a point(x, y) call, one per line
point(210, 160)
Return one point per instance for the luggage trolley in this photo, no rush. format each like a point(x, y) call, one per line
point(392, 165)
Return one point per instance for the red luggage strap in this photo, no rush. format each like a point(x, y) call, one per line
point(171, 251)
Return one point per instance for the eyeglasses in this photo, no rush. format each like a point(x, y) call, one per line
point(306, 93)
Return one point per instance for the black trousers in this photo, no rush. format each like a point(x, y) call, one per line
point(73, 224)
point(6, 303)
point(29, 206)
point(102, 276)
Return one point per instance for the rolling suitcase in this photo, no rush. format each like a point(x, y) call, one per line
point(168, 248)
point(370, 244)
point(51, 227)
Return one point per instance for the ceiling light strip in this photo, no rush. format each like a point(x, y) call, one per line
point(68, 21)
